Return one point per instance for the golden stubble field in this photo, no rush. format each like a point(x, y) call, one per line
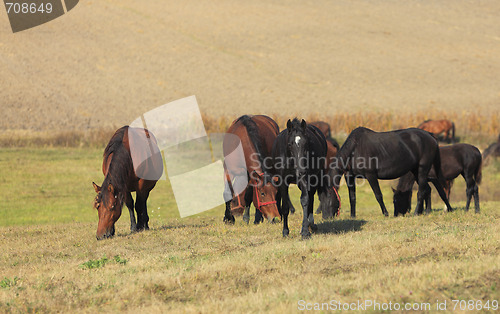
point(106, 62)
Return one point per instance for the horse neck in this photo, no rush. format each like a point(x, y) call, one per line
point(117, 173)
point(405, 182)
point(255, 162)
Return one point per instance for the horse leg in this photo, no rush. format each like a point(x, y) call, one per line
point(304, 201)
point(372, 179)
point(142, 211)
point(428, 206)
point(228, 196)
point(285, 209)
point(320, 206)
point(423, 191)
point(258, 217)
point(351, 185)
point(228, 217)
point(248, 201)
point(310, 212)
point(129, 201)
point(441, 193)
point(476, 198)
point(471, 184)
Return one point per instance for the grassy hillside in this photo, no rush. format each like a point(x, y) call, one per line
point(50, 260)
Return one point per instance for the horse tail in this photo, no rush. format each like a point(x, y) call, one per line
point(441, 181)
point(437, 168)
point(453, 132)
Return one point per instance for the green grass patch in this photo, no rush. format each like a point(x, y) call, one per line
point(98, 263)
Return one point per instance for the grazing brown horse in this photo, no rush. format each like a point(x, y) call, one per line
point(256, 135)
point(326, 130)
point(323, 127)
point(436, 127)
point(458, 159)
point(132, 162)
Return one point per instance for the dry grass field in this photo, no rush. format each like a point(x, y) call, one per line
point(68, 84)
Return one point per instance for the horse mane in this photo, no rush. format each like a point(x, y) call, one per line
point(253, 134)
point(344, 153)
point(119, 166)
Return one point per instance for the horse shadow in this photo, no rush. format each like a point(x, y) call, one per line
point(340, 226)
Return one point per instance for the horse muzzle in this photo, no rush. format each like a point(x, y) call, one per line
point(106, 235)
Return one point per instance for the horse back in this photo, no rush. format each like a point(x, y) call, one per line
point(388, 154)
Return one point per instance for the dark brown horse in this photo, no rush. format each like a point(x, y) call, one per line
point(493, 151)
point(132, 162)
point(328, 198)
point(256, 135)
point(299, 157)
point(387, 156)
point(458, 159)
point(437, 127)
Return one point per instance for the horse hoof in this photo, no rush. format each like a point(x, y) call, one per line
point(229, 221)
point(285, 233)
point(306, 236)
point(256, 222)
point(246, 219)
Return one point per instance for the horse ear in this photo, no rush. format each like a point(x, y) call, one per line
point(303, 124)
point(289, 124)
point(111, 189)
point(96, 187)
point(255, 178)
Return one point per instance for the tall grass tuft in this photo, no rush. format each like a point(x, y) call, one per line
point(469, 125)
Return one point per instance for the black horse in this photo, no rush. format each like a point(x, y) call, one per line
point(458, 159)
point(299, 156)
point(388, 155)
point(492, 151)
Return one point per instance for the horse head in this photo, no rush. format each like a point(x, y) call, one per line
point(402, 202)
point(109, 207)
point(297, 146)
point(264, 198)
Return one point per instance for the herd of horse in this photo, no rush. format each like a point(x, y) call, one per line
point(304, 154)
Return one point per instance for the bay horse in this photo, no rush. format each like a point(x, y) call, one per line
point(457, 159)
point(324, 127)
point(256, 135)
point(388, 155)
point(299, 156)
point(437, 127)
point(131, 162)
